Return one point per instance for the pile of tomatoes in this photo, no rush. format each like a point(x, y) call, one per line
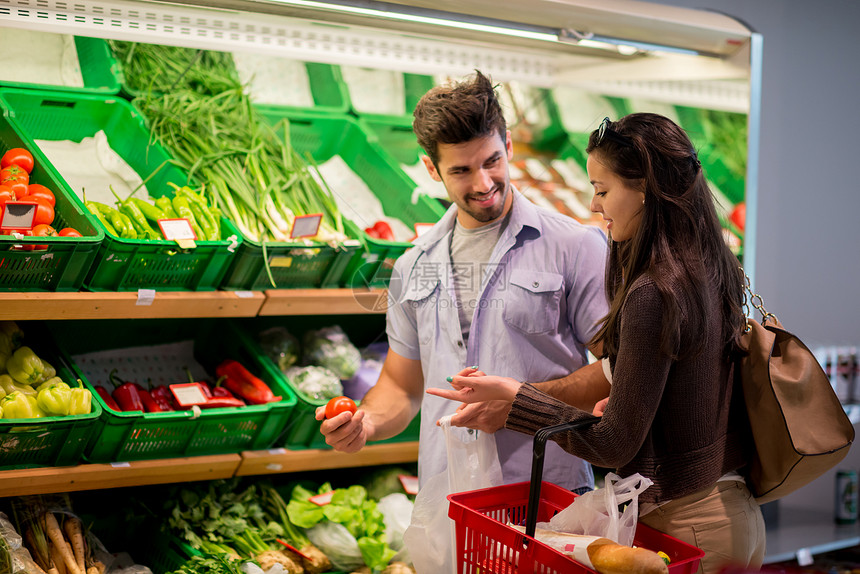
point(15, 168)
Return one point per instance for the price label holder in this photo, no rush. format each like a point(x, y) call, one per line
point(306, 225)
point(189, 394)
point(421, 229)
point(410, 483)
point(180, 231)
point(18, 215)
point(322, 499)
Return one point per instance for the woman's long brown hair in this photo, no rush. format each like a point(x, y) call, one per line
point(679, 242)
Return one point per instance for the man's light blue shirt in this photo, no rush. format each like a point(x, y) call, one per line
point(542, 295)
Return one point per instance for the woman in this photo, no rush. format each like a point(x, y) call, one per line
point(668, 341)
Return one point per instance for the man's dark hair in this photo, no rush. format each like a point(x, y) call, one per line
point(457, 113)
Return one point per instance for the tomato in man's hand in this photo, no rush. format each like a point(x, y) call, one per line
point(17, 156)
point(339, 405)
point(35, 190)
point(70, 232)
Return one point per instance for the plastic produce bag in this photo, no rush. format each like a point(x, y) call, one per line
point(280, 346)
point(596, 513)
point(330, 348)
point(472, 464)
point(335, 541)
point(397, 512)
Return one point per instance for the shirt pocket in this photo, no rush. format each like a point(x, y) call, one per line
point(423, 300)
point(532, 301)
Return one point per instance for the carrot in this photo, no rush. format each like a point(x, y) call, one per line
point(74, 533)
point(52, 528)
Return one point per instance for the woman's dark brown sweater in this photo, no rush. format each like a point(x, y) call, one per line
point(672, 421)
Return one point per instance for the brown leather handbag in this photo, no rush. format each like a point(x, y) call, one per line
point(799, 427)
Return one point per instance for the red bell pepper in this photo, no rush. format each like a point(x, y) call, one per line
point(108, 400)
point(126, 394)
point(149, 404)
point(221, 402)
point(384, 230)
point(241, 382)
point(220, 392)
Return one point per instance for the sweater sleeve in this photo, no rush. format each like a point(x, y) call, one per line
point(639, 378)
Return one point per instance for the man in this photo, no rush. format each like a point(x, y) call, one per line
point(498, 283)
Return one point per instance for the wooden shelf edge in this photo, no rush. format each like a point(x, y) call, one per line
point(325, 302)
point(47, 480)
point(277, 461)
point(129, 305)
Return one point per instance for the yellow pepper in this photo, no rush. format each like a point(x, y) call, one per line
point(9, 386)
point(52, 381)
point(81, 402)
point(37, 410)
point(25, 366)
point(54, 399)
point(16, 406)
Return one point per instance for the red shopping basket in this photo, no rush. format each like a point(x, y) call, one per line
point(486, 545)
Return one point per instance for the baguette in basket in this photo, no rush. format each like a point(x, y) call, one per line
point(602, 554)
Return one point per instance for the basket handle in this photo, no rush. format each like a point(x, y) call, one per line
point(539, 448)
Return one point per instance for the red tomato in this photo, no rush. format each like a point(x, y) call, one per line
point(43, 230)
point(70, 232)
point(384, 230)
point(44, 212)
point(17, 185)
point(339, 405)
point(371, 232)
point(739, 215)
point(35, 190)
point(17, 156)
point(6, 194)
point(15, 171)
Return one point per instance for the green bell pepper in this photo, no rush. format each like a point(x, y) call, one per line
point(16, 406)
point(9, 386)
point(54, 399)
point(25, 366)
point(37, 410)
point(81, 402)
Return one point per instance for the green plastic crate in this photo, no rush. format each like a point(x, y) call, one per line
point(98, 69)
point(64, 264)
point(123, 264)
point(302, 429)
point(127, 436)
point(324, 136)
point(47, 441)
point(327, 89)
point(414, 86)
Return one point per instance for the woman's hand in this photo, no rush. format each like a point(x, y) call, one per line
point(473, 386)
point(600, 407)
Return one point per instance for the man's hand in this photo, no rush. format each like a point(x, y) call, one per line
point(347, 432)
point(488, 416)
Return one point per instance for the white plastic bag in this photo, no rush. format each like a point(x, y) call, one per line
point(596, 513)
point(472, 464)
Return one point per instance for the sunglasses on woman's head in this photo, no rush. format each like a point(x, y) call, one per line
point(604, 131)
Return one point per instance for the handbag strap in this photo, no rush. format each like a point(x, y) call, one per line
point(755, 300)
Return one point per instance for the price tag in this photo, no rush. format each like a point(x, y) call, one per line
point(306, 225)
point(410, 483)
point(145, 297)
point(188, 394)
point(178, 230)
point(421, 229)
point(322, 499)
point(120, 464)
point(19, 215)
point(244, 294)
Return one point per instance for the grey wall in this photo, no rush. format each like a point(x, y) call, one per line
point(808, 240)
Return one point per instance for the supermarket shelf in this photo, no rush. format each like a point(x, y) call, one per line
point(166, 471)
point(130, 305)
point(281, 460)
point(800, 533)
point(98, 476)
point(324, 302)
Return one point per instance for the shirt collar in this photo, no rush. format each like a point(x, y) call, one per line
point(523, 214)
